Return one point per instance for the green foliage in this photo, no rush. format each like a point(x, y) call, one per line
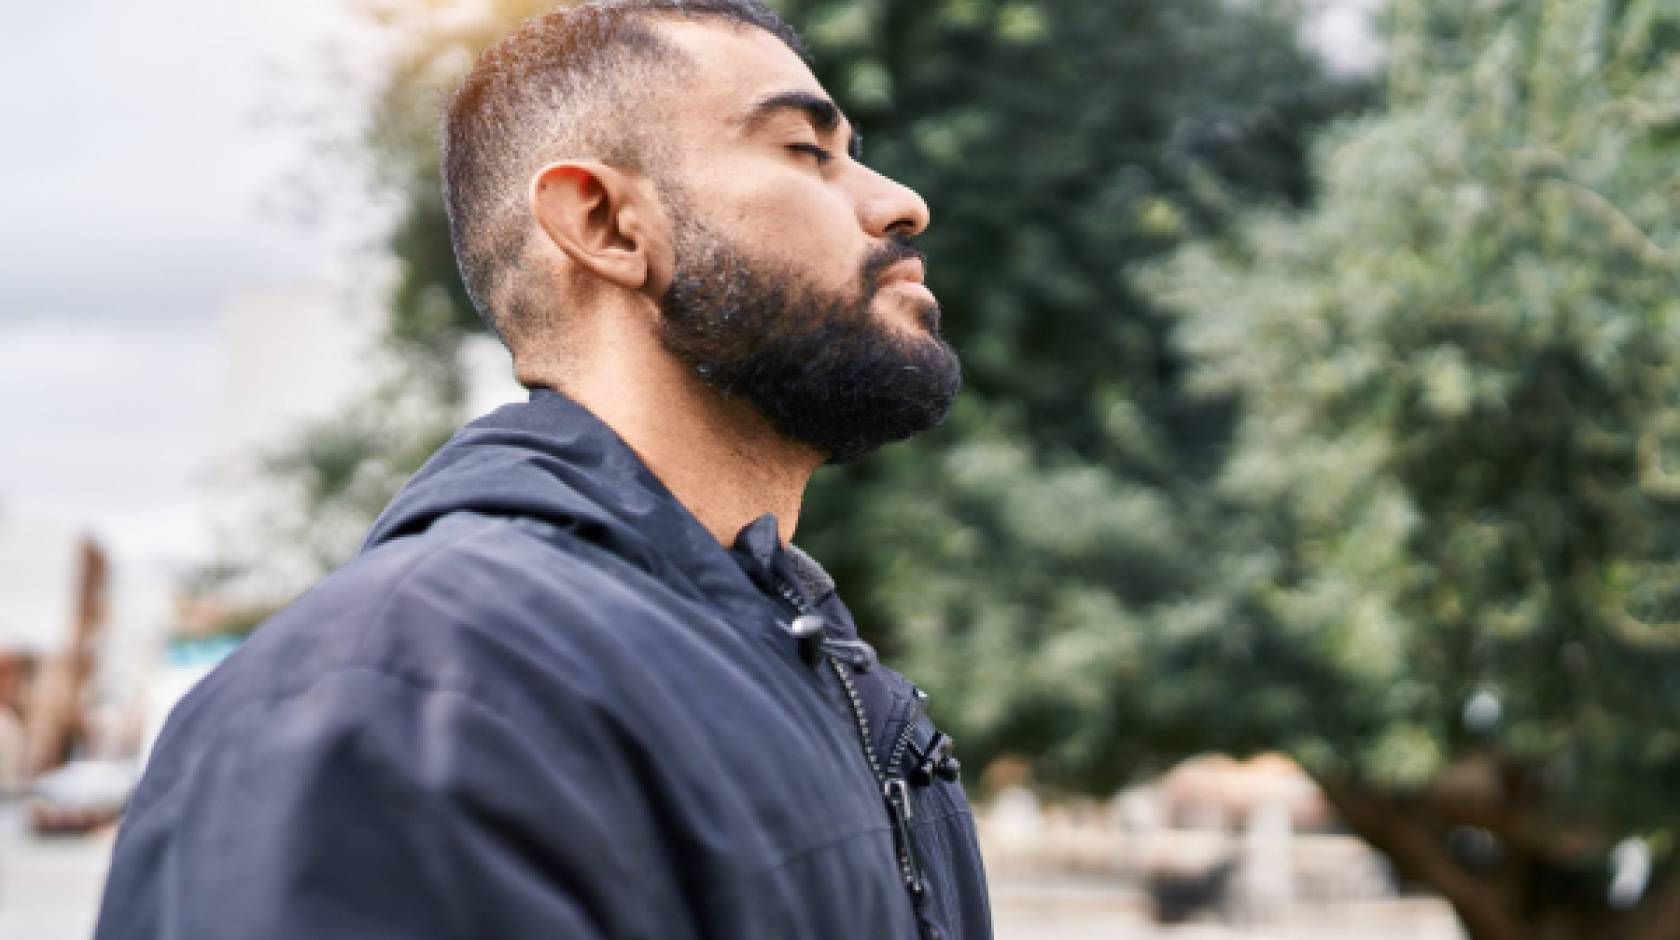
point(1452, 485)
point(1460, 377)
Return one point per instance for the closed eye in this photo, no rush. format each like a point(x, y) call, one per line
point(823, 156)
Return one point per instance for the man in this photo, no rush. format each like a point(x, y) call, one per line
point(579, 683)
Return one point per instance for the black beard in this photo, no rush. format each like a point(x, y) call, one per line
point(819, 367)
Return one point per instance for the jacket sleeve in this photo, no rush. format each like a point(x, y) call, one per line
point(365, 806)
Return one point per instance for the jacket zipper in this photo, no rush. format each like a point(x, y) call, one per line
point(894, 790)
point(896, 762)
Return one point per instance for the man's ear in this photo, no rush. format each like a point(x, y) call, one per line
point(594, 213)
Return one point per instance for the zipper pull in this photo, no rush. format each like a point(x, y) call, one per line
point(808, 630)
point(899, 808)
point(854, 653)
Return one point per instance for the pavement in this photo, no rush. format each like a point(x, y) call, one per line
point(49, 890)
point(1061, 908)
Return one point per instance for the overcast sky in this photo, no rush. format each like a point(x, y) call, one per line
point(140, 195)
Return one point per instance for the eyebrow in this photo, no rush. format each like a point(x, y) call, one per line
point(823, 114)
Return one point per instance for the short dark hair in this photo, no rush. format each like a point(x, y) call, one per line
point(572, 83)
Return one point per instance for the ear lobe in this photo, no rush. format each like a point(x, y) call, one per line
point(588, 212)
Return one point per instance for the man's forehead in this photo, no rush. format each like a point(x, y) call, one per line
point(737, 68)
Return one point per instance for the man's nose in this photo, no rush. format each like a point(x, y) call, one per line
point(890, 207)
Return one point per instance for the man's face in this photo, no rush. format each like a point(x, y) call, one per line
point(795, 286)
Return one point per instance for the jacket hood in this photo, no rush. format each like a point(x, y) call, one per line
point(550, 461)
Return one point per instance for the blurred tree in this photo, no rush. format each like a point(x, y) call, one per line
point(1452, 507)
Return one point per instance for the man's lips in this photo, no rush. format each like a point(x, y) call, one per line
point(909, 270)
point(906, 277)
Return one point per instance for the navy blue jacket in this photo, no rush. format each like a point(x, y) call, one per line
point(544, 702)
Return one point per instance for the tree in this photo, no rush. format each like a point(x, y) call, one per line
point(1451, 499)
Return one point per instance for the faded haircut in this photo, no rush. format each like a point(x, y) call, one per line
point(576, 83)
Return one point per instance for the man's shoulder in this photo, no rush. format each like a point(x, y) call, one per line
point(488, 612)
point(449, 581)
point(421, 603)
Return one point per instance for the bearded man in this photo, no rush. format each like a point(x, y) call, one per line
point(579, 683)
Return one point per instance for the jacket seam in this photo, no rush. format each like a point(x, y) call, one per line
point(798, 855)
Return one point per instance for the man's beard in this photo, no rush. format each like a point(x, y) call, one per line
point(819, 366)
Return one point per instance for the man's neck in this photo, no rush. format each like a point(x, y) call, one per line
point(718, 456)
